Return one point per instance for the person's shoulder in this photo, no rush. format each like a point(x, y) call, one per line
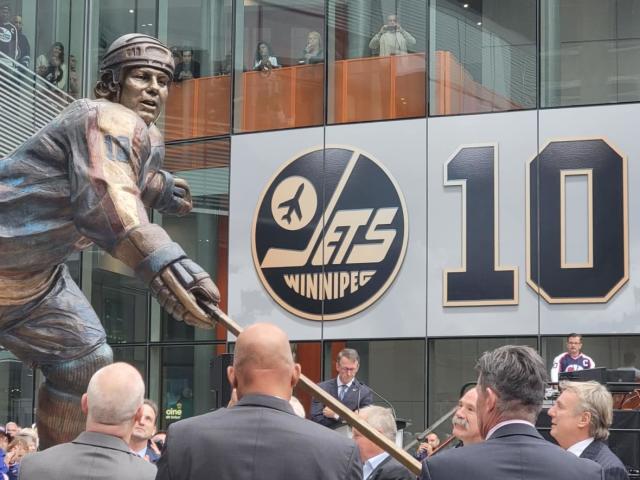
point(196, 423)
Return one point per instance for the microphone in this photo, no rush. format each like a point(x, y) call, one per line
point(387, 402)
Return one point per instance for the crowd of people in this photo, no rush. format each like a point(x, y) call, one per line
point(263, 429)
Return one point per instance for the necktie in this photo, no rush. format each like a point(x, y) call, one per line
point(343, 389)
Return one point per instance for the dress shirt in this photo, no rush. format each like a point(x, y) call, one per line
point(507, 422)
point(578, 448)
point(141, 453)
point(371, 464)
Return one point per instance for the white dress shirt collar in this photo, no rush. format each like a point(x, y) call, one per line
point(578, 448)
point(507, 422)
point(371, 464)
point(347, 384)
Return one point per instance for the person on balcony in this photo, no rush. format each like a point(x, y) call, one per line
point(313, 51)
point(264, 61)
point(392, 39)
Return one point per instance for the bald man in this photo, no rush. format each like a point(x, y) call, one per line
point(113, 405)
point(260, 436)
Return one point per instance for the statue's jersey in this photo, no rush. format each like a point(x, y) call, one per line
point(77, 181)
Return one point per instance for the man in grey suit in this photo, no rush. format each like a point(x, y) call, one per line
point(113, 404)
point(510, 388)
point(260, 436)
point(378, 464)
point(580, 421)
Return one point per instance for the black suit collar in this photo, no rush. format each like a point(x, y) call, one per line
point(516, 429)
point(266, 401)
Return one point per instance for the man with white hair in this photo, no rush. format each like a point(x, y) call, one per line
point(113, 405)
point(580, 421)
point(378, 464)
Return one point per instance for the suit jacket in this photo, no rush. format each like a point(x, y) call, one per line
point(600, 453)
point(91, 456)
point(358, 396)
point(259, 438)
point(513, 452)
point(391, 469)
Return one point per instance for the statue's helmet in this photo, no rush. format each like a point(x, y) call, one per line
point(136, 50)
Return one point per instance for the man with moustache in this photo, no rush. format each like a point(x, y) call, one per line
point(465, 425)
point(580, 421)
point(510, 390)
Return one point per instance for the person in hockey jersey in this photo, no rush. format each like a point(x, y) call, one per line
point(573, 359)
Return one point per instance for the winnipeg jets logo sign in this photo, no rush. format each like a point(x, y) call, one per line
point(329, 233)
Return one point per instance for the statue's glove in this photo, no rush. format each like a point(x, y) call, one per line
point(168, 194)
point(175, 281)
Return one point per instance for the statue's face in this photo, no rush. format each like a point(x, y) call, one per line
point(145, 90)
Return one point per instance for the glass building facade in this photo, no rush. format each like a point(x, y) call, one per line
point(247, 69)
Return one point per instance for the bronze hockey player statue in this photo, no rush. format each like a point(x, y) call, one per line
point(85, 178)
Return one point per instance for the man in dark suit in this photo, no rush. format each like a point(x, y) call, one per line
point(580, 421)
point(113, 404)
point(143, 431)
point(511, 385)
point(345, 387)
point(378, 464)
point(260, 436)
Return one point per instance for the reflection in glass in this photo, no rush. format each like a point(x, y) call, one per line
point(184, 385)
point(203, 234)
point(590, 52)
point(376, 60)
point(16, 383)
point(136, 356)
point(279, 65)
point(483, 56)
point(119, 299)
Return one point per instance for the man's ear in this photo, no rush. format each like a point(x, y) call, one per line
point(84, 404)
point(491, 399)
point(585, 420)
point(231, 375)
point(295, 374)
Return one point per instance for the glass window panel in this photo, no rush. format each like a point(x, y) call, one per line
point(136, 356)
point(482, 56)
point(394, 369)
point(119, 299)
point(307, 354)
point(452, 365)
point(203, 234)
point(590, 52)
point(279, 65)
point(16, 385)
point(199, 34)
point(113, 18)
point(377, 60)
point(181, 381)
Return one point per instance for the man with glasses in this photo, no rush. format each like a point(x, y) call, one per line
point(345, 387)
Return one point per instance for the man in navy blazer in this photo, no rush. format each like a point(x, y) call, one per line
point(580, 421)
point(511, 385)
point(345, 387)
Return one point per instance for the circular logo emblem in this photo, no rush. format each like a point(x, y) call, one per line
point(329, 233)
